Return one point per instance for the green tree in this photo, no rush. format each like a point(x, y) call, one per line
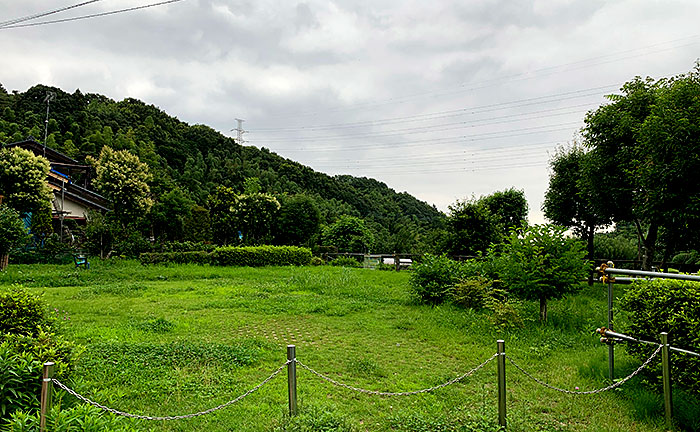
point(100, 233)
point(12, 233)
point(198, 225)
point(123, 179)
point(298, 220)
point(253, 215)
point(542, 263)
point(223, 221)
point(568, 201)
point(509, 207)
point(23, 180)
point(471, 228)
point(348, 234)
point(645, 146)
point(169, 213)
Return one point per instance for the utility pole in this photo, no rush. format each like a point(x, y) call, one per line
point(240, 131)
point(49, 97)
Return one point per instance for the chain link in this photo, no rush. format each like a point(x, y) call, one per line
point(179, 417)
point(381, 393)
point(610, 387)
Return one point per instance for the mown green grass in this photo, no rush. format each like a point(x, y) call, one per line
point(169, 340)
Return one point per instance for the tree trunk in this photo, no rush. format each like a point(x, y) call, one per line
point(4, 259)
point(650, 246)
point(543, 309)
point(590, 232)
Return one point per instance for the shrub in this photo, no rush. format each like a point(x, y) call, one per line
point(343, 261)
point(185, 246)
point(194, 257)
point(689, 258)
point(52, 251)
point(611, 246)
point(26, 327)
point(20, 380)
point(81, 418)
point(670, 306)
point(542, 263)
point(471, 292)
point(21, 312)
point(317, 261)
point(432, 279)
point(257, 256)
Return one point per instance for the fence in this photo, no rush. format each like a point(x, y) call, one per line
point(292, 362)
point(608, 272)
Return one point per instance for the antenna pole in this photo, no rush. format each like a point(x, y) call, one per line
point(49, 97)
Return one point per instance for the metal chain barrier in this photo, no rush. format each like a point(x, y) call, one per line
point(381, 393)
point(610, 387)
point(179, 417)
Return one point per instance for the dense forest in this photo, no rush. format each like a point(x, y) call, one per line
point(197, 160)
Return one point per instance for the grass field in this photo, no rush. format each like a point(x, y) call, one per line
point(174, 340)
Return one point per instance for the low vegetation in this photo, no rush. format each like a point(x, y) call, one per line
point(176, 339)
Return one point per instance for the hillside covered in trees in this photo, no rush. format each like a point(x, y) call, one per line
point(189, 164)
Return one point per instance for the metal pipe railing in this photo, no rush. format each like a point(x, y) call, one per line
point(649, 274)
point(620, 336)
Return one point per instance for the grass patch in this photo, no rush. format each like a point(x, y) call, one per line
point(170, 340)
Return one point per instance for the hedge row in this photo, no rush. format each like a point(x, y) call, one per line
point(251, 256)
point(196, 257)
point(257, 256)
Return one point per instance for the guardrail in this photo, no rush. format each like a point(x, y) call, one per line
point(292, 361)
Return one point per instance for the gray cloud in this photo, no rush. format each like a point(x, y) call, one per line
point(296, 65)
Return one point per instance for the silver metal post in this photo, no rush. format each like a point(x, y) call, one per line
point(292, 379)
point(501, 361)
point(46, 394)
point(666, 364)
point(611, 347)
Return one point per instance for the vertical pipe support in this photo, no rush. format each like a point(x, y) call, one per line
point(292, 379)
point(611, 347)
point(666, 365)
point(46, 394)
point(501, 362)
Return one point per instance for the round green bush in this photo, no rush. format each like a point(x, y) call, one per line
point(432, 279)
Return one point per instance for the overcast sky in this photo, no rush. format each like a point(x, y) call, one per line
point(445, 99)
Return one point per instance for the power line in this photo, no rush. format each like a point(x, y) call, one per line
point(508, 78)
point(513, 118)
point(101, 14)
point(43, 14)
point(484, 134)
point(434, 172)
point(422, 142)
point(594, 91)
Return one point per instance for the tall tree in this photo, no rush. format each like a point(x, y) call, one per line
point(568, 201)
point(123, 179)
point(348, 234)
point(471, 228)
point(645, 146)
point(297, 221)
point(23, 180)
point(12, 233)
point(509, 207)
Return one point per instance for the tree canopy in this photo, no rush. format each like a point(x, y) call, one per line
point(198, 160)
point(23, 180)
point(644, 147)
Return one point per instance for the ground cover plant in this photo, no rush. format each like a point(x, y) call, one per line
point(176, 339)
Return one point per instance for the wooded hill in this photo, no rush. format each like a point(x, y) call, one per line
point(197, 159)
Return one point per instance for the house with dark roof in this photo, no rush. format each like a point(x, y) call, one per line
point(69, 180)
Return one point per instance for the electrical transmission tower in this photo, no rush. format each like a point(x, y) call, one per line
point(239, 131)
